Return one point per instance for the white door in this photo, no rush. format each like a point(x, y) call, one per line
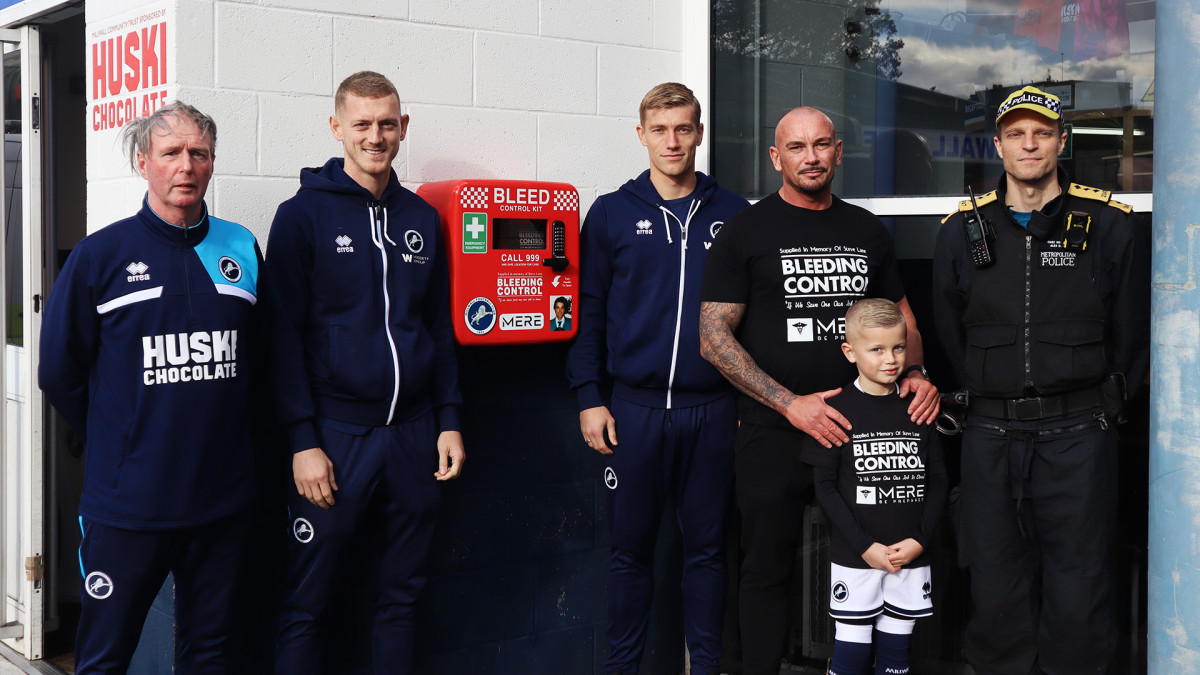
point(22, 563)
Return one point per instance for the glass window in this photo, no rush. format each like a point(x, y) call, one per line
point(14, 254)
point(913, 86)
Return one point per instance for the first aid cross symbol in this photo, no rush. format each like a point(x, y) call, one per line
point(475, 227)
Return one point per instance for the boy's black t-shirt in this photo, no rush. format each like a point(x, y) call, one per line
point(886, 485)
point(797, 271)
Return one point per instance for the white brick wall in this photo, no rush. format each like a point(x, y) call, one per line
point(622, 22)
point(263, 49)
point(453, 143)
point(525, 72)
point(428, 64)
point(250, 200)
point(510, 16)
point(294, 133)
point(626, 73)
point(522, 89)
point(605, 151)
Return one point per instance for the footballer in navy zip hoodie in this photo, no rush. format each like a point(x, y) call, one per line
point(365, 374)
point(643, 253)
point(146, 348)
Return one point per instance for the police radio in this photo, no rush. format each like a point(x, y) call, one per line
point(979, 233)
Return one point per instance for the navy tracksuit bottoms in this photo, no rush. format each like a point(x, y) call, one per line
point(123, 571)
point(387, 468)
point(686, 453)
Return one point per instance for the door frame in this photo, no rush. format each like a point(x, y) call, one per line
point(22, 553)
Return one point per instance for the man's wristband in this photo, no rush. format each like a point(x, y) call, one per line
point(919, 369)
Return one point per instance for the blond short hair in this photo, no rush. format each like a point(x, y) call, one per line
point(363, 84)
point(873, 313)
point(668, 95)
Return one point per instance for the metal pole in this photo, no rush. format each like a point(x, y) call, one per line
point(1174, 549)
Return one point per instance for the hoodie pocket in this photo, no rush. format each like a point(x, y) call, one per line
point(332, 359)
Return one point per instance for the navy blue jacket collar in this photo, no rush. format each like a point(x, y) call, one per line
point(169, 231)
point(332, 177)
point(643, 189)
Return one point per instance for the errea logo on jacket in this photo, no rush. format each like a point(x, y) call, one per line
point(643, 227)
point(137, 272)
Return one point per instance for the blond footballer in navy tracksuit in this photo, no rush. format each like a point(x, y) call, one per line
point(639, 311)
point(364, 369)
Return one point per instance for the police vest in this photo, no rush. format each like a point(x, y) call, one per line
point(1034, 322)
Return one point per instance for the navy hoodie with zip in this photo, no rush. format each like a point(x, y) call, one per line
point(639, 307)
point(147, 345)
point(360, 326)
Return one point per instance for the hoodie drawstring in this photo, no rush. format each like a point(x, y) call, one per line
point(378, 236)
point(683, 226)
point(385, 228)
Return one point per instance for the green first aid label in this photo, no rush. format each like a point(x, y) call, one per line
point(475, 226)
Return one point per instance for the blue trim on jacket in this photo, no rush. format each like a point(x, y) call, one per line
point(149, 361)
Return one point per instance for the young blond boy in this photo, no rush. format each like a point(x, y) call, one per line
point(883, 494)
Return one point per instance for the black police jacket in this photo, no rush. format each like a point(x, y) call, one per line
point(1044, 319)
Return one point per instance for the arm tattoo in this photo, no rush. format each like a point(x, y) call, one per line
point(718, 320)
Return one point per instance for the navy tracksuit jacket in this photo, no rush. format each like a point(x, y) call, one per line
point(148, 341)
point(364, 368)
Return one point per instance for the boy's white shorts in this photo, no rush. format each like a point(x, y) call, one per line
point(860, 595)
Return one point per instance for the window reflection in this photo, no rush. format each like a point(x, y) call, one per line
point(913, 86)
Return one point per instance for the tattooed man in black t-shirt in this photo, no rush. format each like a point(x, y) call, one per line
point(779, 278)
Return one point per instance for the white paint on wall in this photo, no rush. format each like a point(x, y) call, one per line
point(528, 89)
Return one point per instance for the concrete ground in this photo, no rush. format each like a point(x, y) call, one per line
point(8, 664)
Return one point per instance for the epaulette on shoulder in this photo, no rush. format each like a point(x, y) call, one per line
point(1085, 192)
point(965, 205)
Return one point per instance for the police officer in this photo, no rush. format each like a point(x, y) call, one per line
point(1043, 318)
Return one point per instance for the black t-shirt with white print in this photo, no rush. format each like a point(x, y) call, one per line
point(797, 271)
point(886, 485)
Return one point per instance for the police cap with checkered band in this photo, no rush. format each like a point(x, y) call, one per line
point(1031, 98)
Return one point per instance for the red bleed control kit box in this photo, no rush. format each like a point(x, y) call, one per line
point(513, 252)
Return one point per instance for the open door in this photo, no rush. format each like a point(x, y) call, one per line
point(22, 268)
